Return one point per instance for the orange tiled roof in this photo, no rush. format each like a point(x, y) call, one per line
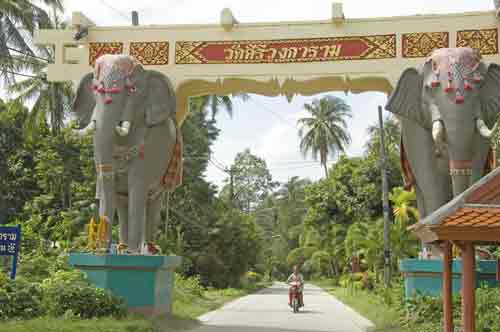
point(473, 217)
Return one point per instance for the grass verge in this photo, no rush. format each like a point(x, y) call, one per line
point(370, 306)
point(186, 309)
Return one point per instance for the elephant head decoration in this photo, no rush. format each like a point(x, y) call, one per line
point(446, 107)
point(130, 112)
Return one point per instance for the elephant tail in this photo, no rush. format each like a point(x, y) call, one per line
point(408, 176)
point(491, 162)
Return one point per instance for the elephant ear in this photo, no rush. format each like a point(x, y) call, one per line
point(489, 93)
point(406, 99)
point(84, 103)
point(161, 99)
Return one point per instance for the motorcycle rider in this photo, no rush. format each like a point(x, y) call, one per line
point(296, 276)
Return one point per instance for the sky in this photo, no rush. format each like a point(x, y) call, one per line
point(268, 125)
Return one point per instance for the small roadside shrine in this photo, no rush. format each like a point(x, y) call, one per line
point(470, 219)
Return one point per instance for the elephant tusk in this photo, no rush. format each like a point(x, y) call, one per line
point(483, 129)
point(87, 130)
point(438, 137)
point(123, 129)
point(437, 131)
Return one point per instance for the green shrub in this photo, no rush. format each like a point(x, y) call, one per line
point(69, 291)
point(191, 286)
point(40, 264)
point(20, 299)
point(251, 280)
point(253, 277)
point(63, 294)
point(488, 309)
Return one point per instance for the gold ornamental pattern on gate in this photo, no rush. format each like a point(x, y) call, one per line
point(286, 51)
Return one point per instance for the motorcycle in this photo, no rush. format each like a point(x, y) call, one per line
point(295, 293)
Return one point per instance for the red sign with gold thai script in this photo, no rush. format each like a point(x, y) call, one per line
point(285, 51)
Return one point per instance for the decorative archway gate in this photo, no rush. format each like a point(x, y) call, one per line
point(285, 58)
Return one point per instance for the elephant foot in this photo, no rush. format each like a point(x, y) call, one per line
point(145, 249)
point(150, 248)
point(122, 248)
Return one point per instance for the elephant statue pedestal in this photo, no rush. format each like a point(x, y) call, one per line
point(145, 282)
point(425, 276)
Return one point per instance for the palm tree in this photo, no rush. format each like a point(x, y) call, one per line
point(292, 191)
point(324, 132)
point(366, 239)
point(392, 136)
point(403, 242)
point(214, 103)
point(51, 100)
point(18, 21)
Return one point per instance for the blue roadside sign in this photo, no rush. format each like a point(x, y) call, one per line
point(10, 242)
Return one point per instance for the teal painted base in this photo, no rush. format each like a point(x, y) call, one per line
point(425, 276)
point(145, 282)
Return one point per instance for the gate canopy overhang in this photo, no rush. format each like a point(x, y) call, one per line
point(284, 58)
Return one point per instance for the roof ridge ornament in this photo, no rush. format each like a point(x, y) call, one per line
point(338, 16)
point(227, 19)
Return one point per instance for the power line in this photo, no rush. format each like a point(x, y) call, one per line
point(219, 163)
point(217, 166)
point(122, 14)
point(296, 162)
point(292, 168)
point(274, 113)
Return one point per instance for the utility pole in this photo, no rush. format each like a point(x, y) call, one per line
point(231, 186)
point(385, 203)
point(135, 18)
point(166, 205)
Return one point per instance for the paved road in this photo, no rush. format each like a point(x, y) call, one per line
point(268, 311)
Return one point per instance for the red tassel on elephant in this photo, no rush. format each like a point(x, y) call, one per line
point(449, 88)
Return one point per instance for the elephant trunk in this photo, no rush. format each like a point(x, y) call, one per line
point(483, 129)
point(460, 183)
point(461, 173)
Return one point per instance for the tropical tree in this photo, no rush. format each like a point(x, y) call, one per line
point(214, 103)
point(292, 190)
point(365, 239)
point(249, 183)
point(403, 242)
point(51, 100)
point(18, 21)
point(392, 136)
point(324, 131)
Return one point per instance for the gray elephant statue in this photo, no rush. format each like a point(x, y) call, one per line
point(446, 107)
point(130, 112)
